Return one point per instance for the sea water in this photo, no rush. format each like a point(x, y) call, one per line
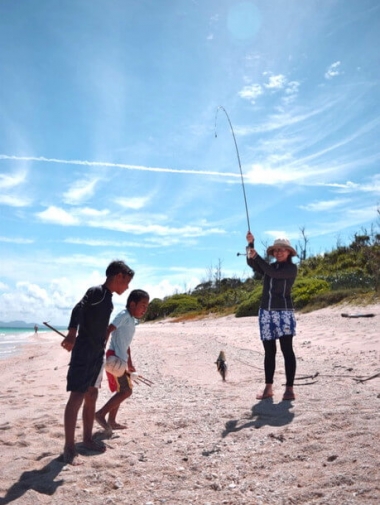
point(12, 340)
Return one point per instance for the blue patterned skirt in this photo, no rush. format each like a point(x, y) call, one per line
point(276, 323)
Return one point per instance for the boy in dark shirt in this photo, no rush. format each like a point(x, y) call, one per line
point(92, 315)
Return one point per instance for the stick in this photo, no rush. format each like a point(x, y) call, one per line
point(51, 327)
point(145, 381)
point(368, 378)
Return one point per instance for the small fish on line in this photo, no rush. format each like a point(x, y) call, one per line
point(221, 365)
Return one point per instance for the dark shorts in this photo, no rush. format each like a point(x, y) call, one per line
point(84, 369)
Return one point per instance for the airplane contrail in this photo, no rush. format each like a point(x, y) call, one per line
point(116, 165)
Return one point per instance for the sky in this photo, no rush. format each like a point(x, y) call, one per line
point(117, 139)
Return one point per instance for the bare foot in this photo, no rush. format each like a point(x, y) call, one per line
point(289, 394)
point(70, 457)
point(267, 393)
point(117, 426)
point(103, 423)
point(92, 445)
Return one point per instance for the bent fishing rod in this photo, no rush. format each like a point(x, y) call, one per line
point(251, 244)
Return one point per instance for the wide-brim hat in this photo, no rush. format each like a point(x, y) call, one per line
point(284, 243)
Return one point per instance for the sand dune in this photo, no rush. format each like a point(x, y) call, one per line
point(193, 439)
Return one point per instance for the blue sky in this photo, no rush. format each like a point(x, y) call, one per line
point(108, 147)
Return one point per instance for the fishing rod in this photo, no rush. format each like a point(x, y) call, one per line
point(251, 244)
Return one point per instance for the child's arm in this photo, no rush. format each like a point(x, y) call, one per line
point(110, 329)
point(130, 366)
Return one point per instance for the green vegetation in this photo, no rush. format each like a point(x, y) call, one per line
point(348, 273)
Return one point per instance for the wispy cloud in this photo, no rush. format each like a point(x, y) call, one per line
point(101, 243)
point(370, 186)
point(128, 224)
point(333, 70)
point(325, 205)
point(16, 240)
point(80, 191)
point(132, 203)
point(116, 165)
point(251, 92)
point(278, 83)
point(11, 181)
point(14, 201)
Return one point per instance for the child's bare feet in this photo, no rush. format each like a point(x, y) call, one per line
point(103, 423)
point(93, 445)
point(117, 426)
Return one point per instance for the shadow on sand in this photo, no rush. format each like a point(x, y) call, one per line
point(42, 481)
point(264, 413)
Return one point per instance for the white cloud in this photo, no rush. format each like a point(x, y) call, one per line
point(291, 92)
point(11, 181)
point(333, 70)
point(10, 186)
point(137, 225)
point(276, 82)
point(323, 206)
point(89, 212)
point(251, 92)
point(14, 201)
point(132, 203)
point(80, 191)
point(140, 168)
point(15, 240)
point(57, 216)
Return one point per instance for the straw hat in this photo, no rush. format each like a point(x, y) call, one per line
point(281, 243)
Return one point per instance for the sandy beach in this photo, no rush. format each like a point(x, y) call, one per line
point(194, 439)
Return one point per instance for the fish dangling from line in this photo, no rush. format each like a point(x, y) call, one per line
point(221, 365)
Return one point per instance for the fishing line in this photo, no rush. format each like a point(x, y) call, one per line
point(238, 158)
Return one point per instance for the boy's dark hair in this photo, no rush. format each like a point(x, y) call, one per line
point(119, 267)
point(136, 296)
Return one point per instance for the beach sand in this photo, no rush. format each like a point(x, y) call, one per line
point(194, 439)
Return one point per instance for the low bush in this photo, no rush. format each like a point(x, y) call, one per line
point(306, 288)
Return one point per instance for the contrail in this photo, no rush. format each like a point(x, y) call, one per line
point(115, 165)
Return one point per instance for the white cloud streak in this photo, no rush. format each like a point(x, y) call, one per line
point(116, 165)
point(15, 240)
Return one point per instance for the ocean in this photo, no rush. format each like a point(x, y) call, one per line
point(12, 340)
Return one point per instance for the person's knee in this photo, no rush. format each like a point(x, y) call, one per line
point(125, 394)
point(91, 394)
point(75, 399)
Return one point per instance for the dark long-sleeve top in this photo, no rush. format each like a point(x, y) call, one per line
point(92, 314)
point(278, 280)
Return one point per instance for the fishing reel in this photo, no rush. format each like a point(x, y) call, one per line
point(251, 244)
